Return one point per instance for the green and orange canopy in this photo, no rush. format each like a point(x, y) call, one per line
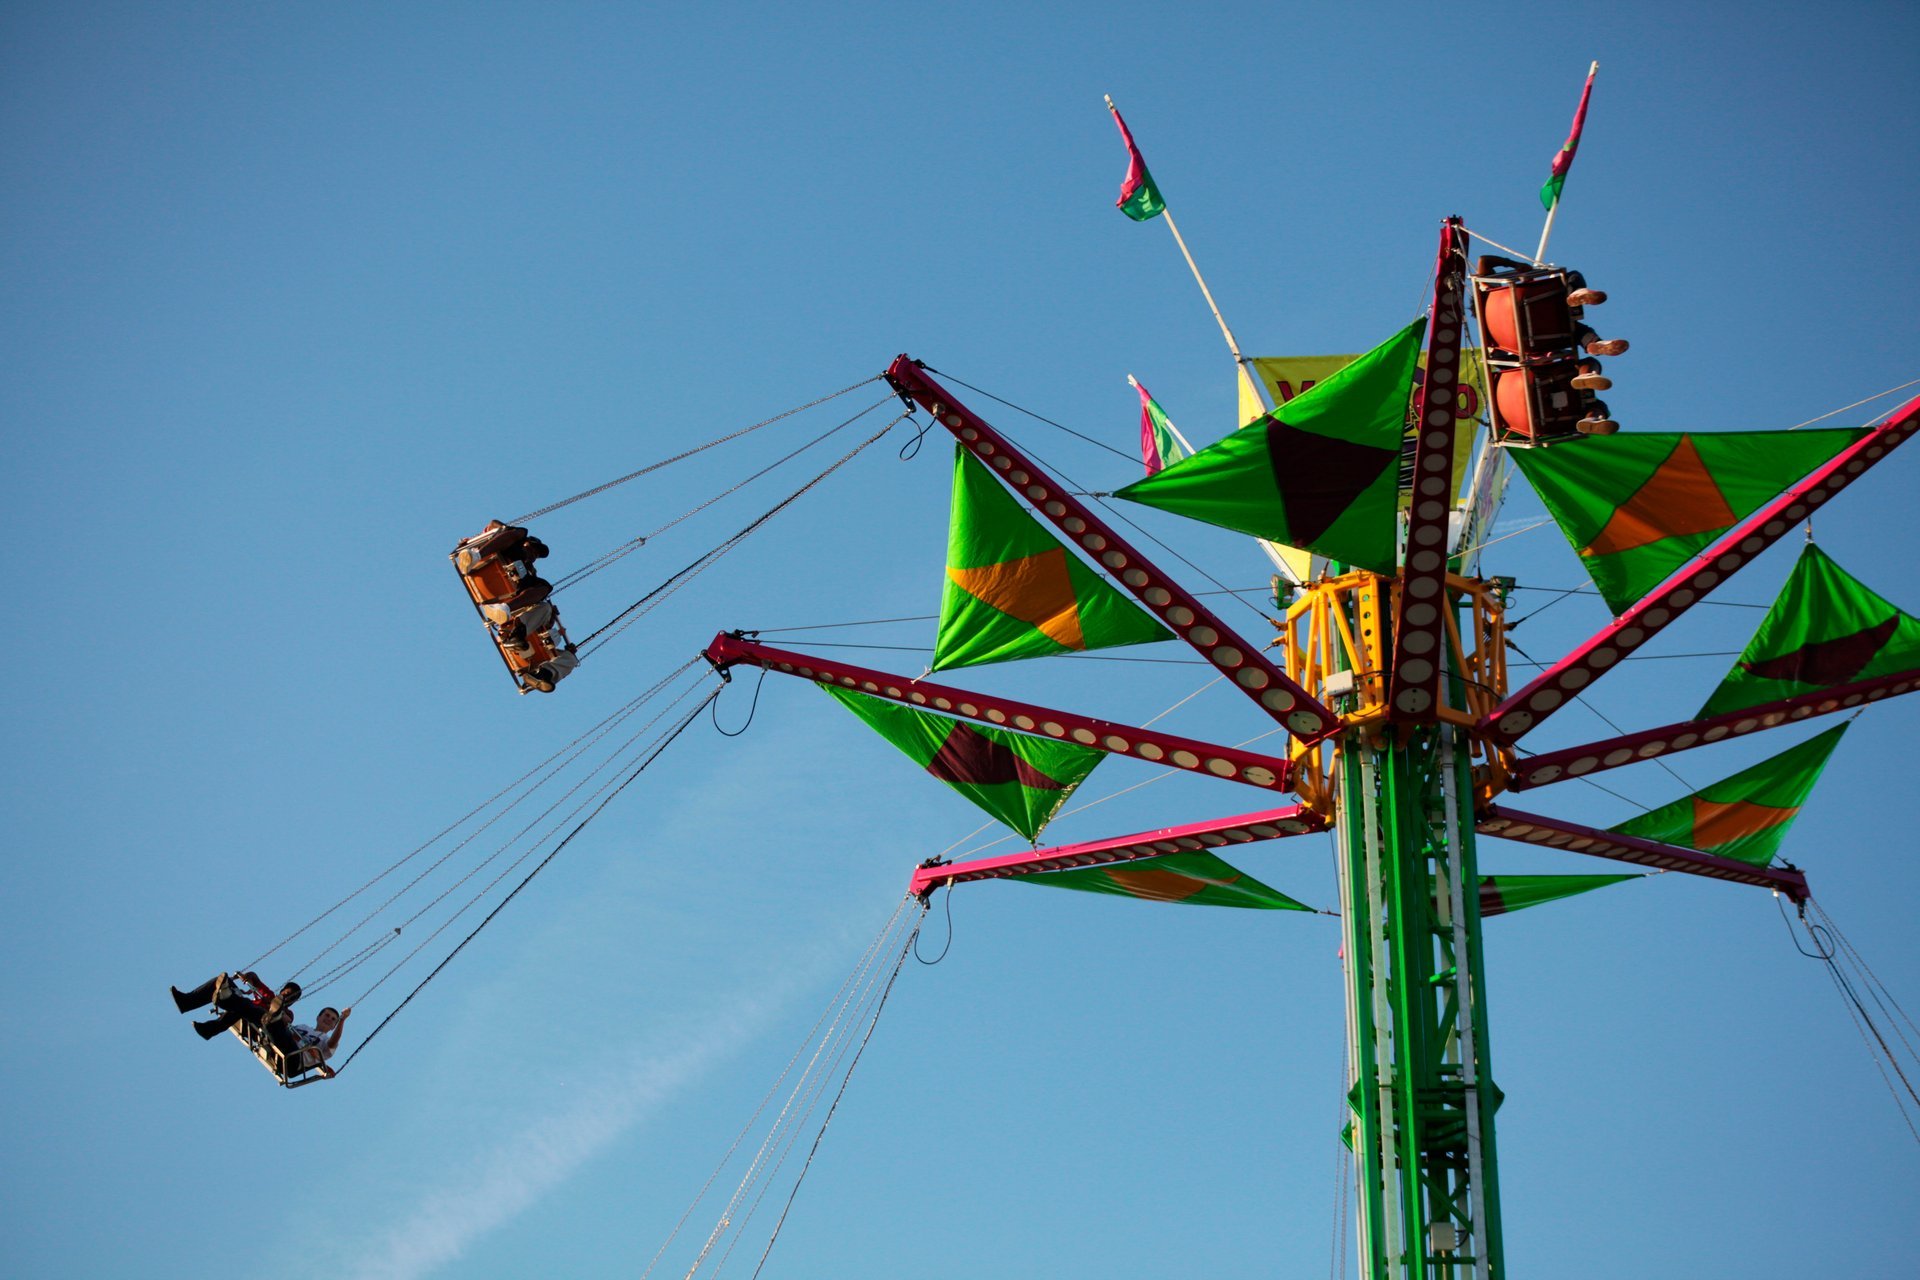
point(1638, 507)
point(1746, 816)
point(1013, 591)
point(1201, 879)
point(1198, 879)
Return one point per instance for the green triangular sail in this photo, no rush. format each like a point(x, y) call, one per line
point(1825, 629)
point(1013, 591)
point(1502, 894)
point(1196, 879)
point(1637, 507)
point(1320, 472)
point(1020, 780)
point(1745, 816)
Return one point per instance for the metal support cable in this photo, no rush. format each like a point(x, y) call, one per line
point(1826, 951)
point(854, 994)
point(838, 998)
point(1031, 414)
point(638, 770)
point(634, 544)
point(647, 603)
point(814, 1089)
point(443, 833)
point(872, 1022)
point(611, 763)
point(565, 756)
point(1860, 962)
point(734, 435)
point(1869, 1035)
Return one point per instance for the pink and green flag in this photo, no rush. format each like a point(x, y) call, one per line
point(1139, 198)
point(1160, 440)
point(1020, 780)
point(1198, 879)
point(1825, 629)
point(1501, 894)
point(1746, 816)
point(1637, 507)
point(1320, 472)
point(1013, 591)
point(1563, 158)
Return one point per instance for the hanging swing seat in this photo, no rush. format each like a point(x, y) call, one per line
point(1532, 334)
point(1537, 403)
point(506, 592)
point(1526, 312)
point(291, 1069)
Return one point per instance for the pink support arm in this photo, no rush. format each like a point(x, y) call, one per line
point(1244, 663)
point(1556, 686)
point(1596, 757)
point(1419, 632)
point(1557, 833)
point(1268, 824)
point(1232, 763)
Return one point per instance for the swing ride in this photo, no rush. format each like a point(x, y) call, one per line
point(1387, 681)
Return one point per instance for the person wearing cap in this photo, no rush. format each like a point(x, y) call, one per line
point(271, 1015)
point(507, 543)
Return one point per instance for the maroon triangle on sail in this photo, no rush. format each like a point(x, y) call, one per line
point(972, 758)
point(1827, 662)
point(1319, 477)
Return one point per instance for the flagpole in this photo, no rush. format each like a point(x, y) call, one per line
point(1241, 364)
point(1204, 291)
point(1540, 254)
point(1225, 332)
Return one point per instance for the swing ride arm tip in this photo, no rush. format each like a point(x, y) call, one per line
point(1242, 662)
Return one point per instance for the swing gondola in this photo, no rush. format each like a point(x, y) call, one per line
point(1542, 387)
point(292, 1068)
point(497, 567)
point(496, 564)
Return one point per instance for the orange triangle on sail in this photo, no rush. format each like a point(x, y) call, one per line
point(1716, 825)
point(1158, 885)
point(1035, 589)
point(1678, 499)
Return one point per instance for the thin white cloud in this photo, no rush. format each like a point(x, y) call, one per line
point(545, 1151)
point(593, 1109)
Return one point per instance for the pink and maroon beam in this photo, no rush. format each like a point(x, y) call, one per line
point(1246, 828)
point(1244, 664)
point(1419, 631)
point(1557, 685)
point(1557, 833)
point(1611, 753)
point(1235, 764)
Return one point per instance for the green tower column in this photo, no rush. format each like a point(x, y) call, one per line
point(1421, 1088)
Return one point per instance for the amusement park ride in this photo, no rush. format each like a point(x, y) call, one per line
point(1389, 674)
point(1391, 678)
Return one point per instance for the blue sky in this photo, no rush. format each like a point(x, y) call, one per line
point(296, 298)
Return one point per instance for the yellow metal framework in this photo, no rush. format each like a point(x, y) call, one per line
point(1334, 644)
